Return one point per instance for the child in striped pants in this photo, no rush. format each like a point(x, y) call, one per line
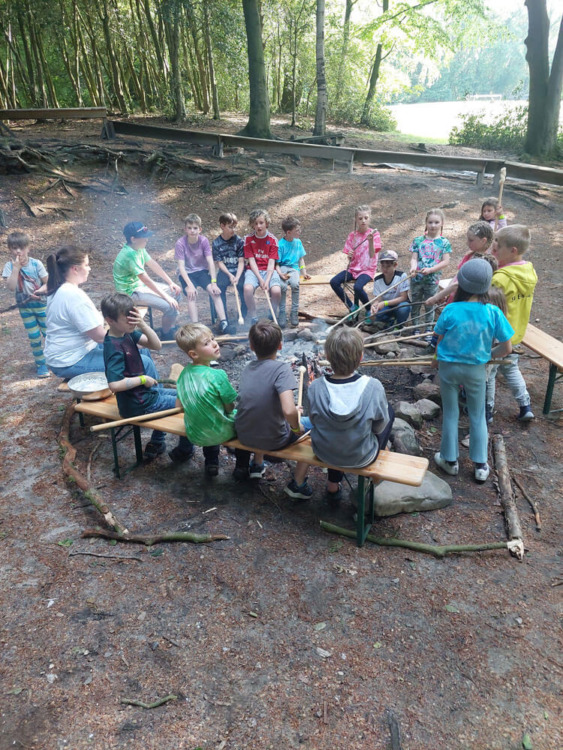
point(27, 278)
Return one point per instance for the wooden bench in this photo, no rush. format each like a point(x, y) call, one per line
point(391, 467)
point(551, 349)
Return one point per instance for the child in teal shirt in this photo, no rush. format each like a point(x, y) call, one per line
point(290, 267)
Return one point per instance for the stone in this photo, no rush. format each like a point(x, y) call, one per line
point(421, 370)
point(428, 409)
point(390, 355)
point(290, 335)
point(409, 413)
point(228, 353)
point(307, 335)
point(406, 442)
point(240, 350)
point(400, 425)
point(428, 390)
point(392, 346)
point(392, 498)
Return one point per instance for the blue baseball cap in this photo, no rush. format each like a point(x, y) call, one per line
point(136, 229)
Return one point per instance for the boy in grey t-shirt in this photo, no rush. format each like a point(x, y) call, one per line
point(266, 413)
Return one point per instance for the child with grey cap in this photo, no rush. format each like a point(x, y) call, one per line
point(466, 330)
point(392, 288)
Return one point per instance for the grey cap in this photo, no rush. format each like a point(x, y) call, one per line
point(475, 276)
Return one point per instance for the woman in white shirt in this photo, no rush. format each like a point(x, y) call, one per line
point(75, 331)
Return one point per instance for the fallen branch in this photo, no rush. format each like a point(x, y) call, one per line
point(430, 549)
point(69, 454)
point(505, 489)
point(150, 540)
point(532, 502)
point(97, 554)
point(141, 704)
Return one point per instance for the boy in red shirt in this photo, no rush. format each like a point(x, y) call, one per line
point(261, 254)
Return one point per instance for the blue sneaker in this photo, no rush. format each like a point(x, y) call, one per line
point(43, 372)
point(256, 471)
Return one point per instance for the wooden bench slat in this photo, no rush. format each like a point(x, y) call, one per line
point(542, 343)
point(318, 279)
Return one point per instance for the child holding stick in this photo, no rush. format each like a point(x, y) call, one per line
point(261, 253)
point(27, 278)
point(290, 267)
point(361, 247)
point(430, 254)
point(205, 394)
point(132, 376)
point(466, 331)
point(493, 213)
point(228, 254)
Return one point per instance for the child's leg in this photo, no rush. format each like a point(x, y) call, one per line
point(417, 295)
point(449, 388)
point(337, 285)
point(475, 387)
point(514, 380)
point(218, 302)
point(250, 286)
point(275, 290)
point(211, 454)
point(192, 304)
point(491, 387)
point(334, 477)
point(359, 290)
point(167, 400)
point(282, 317)
point(33, 329)
point(401, 313)
point(146, 296)
point(385, 434)
point(294, 284)
point(430, 287)
point(240, 288)
point(300, 473)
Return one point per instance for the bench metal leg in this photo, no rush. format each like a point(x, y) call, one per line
point(365, 490)
point(553, 378)
point(116, 437)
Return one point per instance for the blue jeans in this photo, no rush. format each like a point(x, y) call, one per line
point(166, 400)
point(473, 378)
point(94, 362)
point(397, 314)
point(337, 283)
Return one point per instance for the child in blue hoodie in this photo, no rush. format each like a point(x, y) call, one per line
point(349, 417)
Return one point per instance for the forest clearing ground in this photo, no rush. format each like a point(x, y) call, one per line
point(281, 637)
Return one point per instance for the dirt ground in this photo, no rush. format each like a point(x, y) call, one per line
point(281, 636)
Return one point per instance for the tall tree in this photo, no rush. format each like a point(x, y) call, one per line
point(322, 94)
point(258, 125)
point(544, 100)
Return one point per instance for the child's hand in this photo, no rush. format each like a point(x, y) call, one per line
point(232, 279)
point(172, 302)
point(149, 382)
point(135, 318)
point(380, 307)
point(499, 211)
point(214, 289)
point(263, 285)
point(426, 271)
point(175, 289)
point(306, 276)
point(430, 302)
point(284, 276)
point(191, 291)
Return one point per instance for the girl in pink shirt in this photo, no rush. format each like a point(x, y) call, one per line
point(362, 248)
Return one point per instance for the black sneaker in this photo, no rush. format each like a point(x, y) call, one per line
point(178, 456)
point(334, 498)
point(211, 470)
point(298, 491)
point(223, 326)
point(256, 471)
point(526, 414)
point(152, 450)
point(240, 473)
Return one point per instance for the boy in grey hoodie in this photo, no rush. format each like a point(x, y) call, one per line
point(349, 414)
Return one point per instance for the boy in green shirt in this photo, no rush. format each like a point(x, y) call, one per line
point(130, 277)
point(205, 394)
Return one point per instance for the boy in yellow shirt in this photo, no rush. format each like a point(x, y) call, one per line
point(517, 279)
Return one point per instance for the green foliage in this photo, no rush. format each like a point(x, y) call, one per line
point(349, 112)
point(508, 132)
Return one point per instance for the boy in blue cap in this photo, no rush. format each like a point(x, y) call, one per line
point(130, 277)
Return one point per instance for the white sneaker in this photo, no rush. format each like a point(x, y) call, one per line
point(482, 474)
point(451, 469)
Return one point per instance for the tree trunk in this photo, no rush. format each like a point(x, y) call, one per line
point(172, 26)
point(344, 51)
point(374, 75)
point(258, 125)
point(155, 40)
point(114, 67)
point(214, 95)
point(322, 95)
point(545, 87)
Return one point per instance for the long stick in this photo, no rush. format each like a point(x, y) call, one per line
point(369, 302)
point(136, 420)
point(394, 341)
point(532, 502)
point(272, 313)
point(500, 189)
point(505, 489)
point(237, 299)
point(226, 337)
point(302, 371)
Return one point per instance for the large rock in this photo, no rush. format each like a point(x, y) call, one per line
point(307, 335)
point(407, 443)
point(409, 413)
point(400, 425)
point(429, 390)
point(386, 348)
point(428, 408)
point(392, 498)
